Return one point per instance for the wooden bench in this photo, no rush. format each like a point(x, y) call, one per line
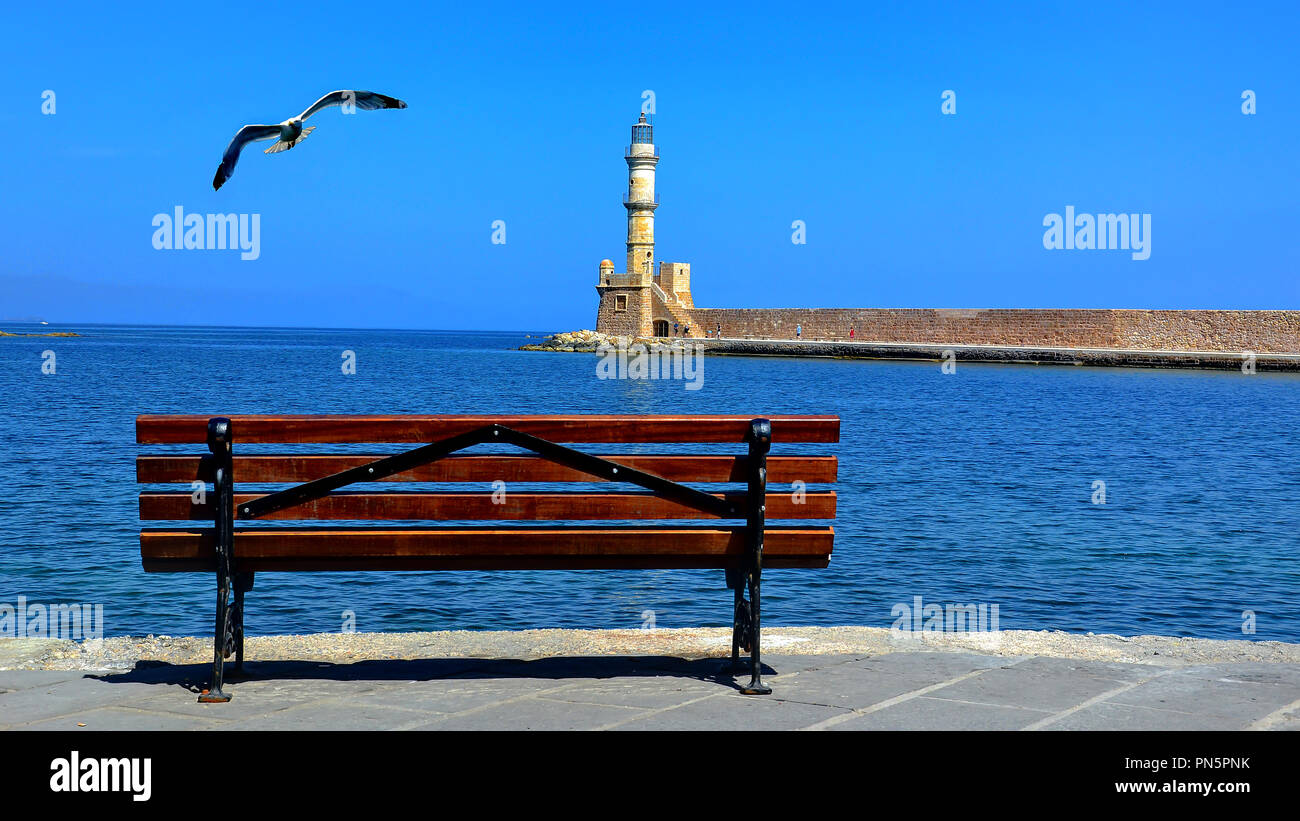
point(743, 548)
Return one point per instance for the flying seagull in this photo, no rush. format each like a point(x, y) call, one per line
point(290, 132)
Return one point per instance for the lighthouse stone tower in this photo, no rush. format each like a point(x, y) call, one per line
point(640, 302)
point(640, 201)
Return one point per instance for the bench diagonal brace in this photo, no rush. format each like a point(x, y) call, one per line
point(614, 472)
point(370, 472)
point(425, 454)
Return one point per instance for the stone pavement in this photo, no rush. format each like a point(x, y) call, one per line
point(909, 690)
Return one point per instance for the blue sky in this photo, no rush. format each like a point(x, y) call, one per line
point(764, 115)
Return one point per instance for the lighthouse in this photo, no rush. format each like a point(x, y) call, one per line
point(640, 201)
point(642, 301)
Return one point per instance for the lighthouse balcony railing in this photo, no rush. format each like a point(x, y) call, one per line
point(628, 199)
point(622, 281)
point(642, 150)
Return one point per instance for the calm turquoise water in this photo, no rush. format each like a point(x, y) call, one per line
point(974, 487)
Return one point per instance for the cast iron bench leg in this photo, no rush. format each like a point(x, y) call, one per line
point(736, 580)
point(760, 441)
point(214, 694)
point(243, 583)
point(756, 687)
point(223, 487)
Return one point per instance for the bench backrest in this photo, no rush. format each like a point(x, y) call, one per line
point(651, 533)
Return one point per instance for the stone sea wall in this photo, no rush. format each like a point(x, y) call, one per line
point(1106, 356)
point(1158, 330)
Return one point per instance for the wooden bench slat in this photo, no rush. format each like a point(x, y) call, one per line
point(484, 468)
point(253, 428)
point(468, 506)
point(483, 548)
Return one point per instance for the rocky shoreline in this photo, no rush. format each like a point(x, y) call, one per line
point(587, 341)
point(51, 333)
point(126, 652)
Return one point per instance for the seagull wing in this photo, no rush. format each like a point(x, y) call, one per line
point(364, 100)
point(245, 135)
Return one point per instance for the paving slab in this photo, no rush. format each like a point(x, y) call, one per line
point(1285, 674)
point(930, 665)
point(459, 695)
point(928, 713)
point(535, 713)
point(1211, 693)
point(780, 665)
point(123, 718)
point(332, 714)
point(656, 694)
point(29, 704)
point(734, 712)
point(860, 683)
point(11, 680)
point(1112, 716)
point(1050, 685)
point(255, 698)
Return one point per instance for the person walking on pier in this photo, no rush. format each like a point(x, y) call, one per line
point(798, 331)
point(850, 333)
